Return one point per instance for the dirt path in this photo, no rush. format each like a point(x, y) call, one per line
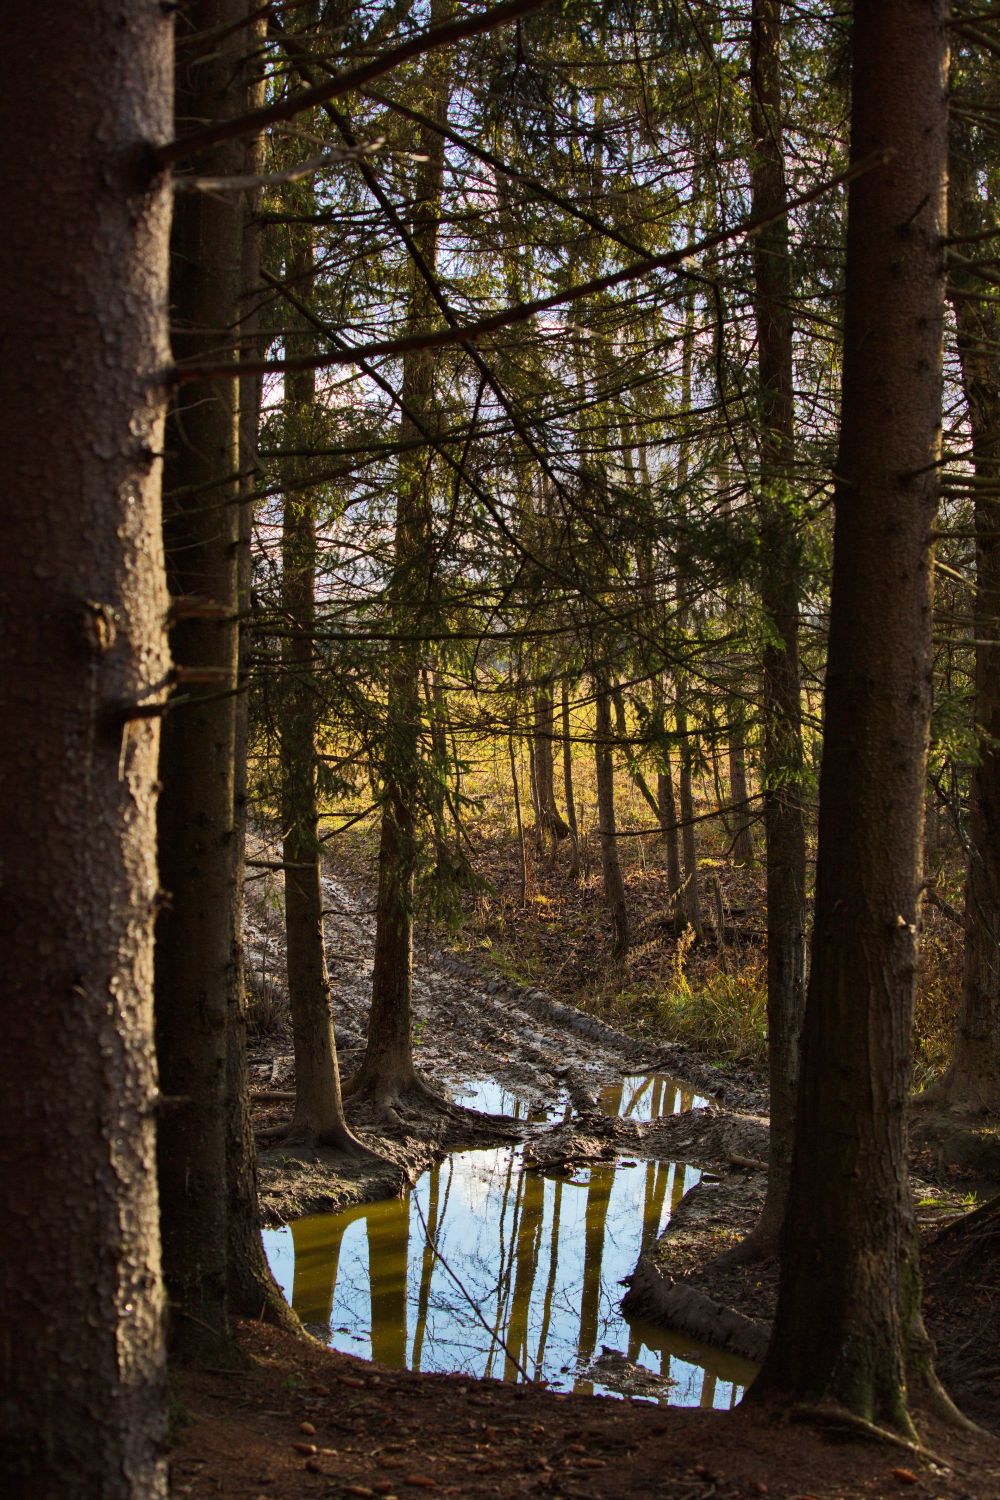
point(523, 1067)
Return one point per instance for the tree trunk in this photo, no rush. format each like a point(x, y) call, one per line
point(972, 1081)
point(434, 702)
point(848, 1326)
point(742, 842)
point(781, 584)
point(195, 972)
point(614, 885)
point(387, 1071)
point(690, 899)
point(251, 1287)
point(567, 761)
point(318, 1117)
point(553, 826)
point(665, 794)
point(84, 668)
point(522, 847)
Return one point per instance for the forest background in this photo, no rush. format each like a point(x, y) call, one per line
point(529, 384)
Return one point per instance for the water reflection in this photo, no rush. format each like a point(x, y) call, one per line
point(648, 1096)
point(542, 1258)
point(636, 1096)
point(490, 1097)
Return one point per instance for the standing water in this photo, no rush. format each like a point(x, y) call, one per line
point(489, 1269)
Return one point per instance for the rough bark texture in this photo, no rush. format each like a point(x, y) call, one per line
point(614, 885)
point(387, 1068)
point(196, 976)
point(973, 1078)
point(83, 278)
point(848, 1325)
point(784, 812)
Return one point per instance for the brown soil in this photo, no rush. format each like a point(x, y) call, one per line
point(302, 1421)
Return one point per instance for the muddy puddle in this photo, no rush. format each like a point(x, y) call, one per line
point(637, 1096)
point(648, 1096)
point(488, 1269)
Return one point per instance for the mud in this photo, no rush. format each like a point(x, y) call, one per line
point(510, 1064)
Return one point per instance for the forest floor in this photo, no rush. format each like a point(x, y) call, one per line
point(303, 1420)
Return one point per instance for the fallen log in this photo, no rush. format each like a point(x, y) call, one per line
point(656, 1297)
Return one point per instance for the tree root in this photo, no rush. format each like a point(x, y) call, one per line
point(836, 1416)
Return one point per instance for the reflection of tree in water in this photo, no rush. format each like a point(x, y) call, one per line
point(317, 1258)
point(539, 1256)
point(595, 1225)
point(528, 1239)
point(388, 1245)
point(550, 1283)
point(426, 1266)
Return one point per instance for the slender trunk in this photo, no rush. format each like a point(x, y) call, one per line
point(251, 1287)
point(690, 900)
point(742, 840)
point(522, 847)
point(781, 584)
point(567, 761)
point(972, 1081)
point(84, 665)
point(848, 1327)
point(387, 1069)
point(536, 806)
point(665, 794)
point(318, 1117)
point(614, 885)
point(196, 976)
point(553, 825)
point(434, 701)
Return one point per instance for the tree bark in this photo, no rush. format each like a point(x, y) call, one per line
point(848, 1326)
point(196, 976)
point(83, 671)
point(972, 1081)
